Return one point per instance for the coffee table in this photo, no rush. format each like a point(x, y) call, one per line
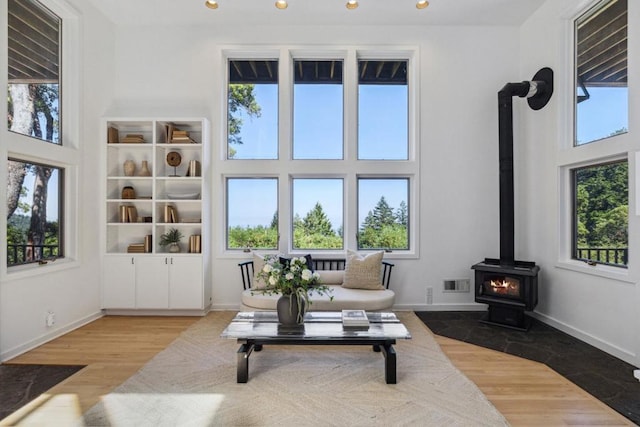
point(254, 329)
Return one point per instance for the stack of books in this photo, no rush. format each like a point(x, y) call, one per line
point(355, 320)
point(181, 136)
point(136, 248)
point(133, 138)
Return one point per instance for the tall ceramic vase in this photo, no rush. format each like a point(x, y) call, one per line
point(129, 168)
point(144, 169)
point(288, 310)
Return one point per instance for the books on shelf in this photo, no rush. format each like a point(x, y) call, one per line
point(112, 135)
point(170, 214)
point(177, 136)
point(355, 319)
point(133, 138)
point(136, 248)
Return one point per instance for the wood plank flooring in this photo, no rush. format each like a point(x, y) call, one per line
point(115, 347)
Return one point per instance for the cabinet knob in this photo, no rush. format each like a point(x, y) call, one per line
point(132, 262)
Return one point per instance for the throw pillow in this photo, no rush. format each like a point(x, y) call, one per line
point(258, 265)
point(363, 272)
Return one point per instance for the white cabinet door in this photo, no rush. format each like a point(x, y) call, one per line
point(185, 283)
point(119, 286)
point(152, 282)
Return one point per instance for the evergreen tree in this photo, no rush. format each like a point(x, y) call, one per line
point(383, 214)
point(402, 217)
point(317, 222)
point(274, 221)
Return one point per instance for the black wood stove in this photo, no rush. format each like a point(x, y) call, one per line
point(510, 287)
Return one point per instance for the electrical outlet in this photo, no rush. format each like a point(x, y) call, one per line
point(51, 319)
point(429, 295)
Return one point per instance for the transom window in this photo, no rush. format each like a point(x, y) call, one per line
point(34, 71)
point(338, 172)
point(601, 103)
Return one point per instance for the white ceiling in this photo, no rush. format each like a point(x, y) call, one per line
point(318, 12)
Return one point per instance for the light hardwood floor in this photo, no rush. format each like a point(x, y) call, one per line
point(114, 347)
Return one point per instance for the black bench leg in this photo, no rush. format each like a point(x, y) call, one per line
point(376, 348)
point(243, 354)
point(389, 363)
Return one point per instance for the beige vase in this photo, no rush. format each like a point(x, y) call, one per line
point(129, 168)
point(144, 169)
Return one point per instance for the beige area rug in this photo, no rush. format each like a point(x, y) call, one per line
point(193, 383)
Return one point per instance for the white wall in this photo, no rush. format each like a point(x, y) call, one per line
point(591, 303)
point(177, 71)
point(72, 293)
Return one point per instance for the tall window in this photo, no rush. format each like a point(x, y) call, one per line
point(317, 110)
point(346, 166)
point(601, 108)
point(383, 110)
point(33, 225)
point(34, 71)
point(252, 109)
point(601, 198)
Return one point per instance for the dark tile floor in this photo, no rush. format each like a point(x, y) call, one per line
point(606, 377)
point(20, 384)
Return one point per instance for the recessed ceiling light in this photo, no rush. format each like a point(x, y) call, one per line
point(211, 4)
point(352, 4)
point(281, 4)
point(422, 4)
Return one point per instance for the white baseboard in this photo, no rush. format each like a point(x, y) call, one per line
point(612, 349)
point(16, 351)
point(440, 307)
point(225, 307)
point(155, 312)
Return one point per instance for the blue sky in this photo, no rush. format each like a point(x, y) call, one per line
point(318, 134)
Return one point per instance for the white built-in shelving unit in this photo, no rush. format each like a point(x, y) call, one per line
point(138, 273)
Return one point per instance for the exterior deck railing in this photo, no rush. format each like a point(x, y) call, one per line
point(27, 253)
point(611, 256)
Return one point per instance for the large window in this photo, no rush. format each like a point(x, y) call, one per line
point(35, 208)
point(40, 158)
point(601, 103)
point(34, 88)
point(341, 162)
point(598, 202)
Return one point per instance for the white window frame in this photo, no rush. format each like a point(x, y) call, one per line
point(65, 155)
point(349, 169)
point(570, 157)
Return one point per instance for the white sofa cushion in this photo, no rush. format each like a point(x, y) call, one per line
point(343, 299)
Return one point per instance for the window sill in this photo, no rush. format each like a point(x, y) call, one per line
point(613, 273)
point(35, 269)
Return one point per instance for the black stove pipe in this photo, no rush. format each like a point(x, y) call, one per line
point(539, 92)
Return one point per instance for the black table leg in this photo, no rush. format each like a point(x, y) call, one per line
point(389, 363)
point(243, 362)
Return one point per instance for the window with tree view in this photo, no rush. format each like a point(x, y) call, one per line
point(34, 211)
point(601, 200)
point(252, 110)
point(382, 213)
point(252, 213)
point(345, 169)
point(34, 91)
